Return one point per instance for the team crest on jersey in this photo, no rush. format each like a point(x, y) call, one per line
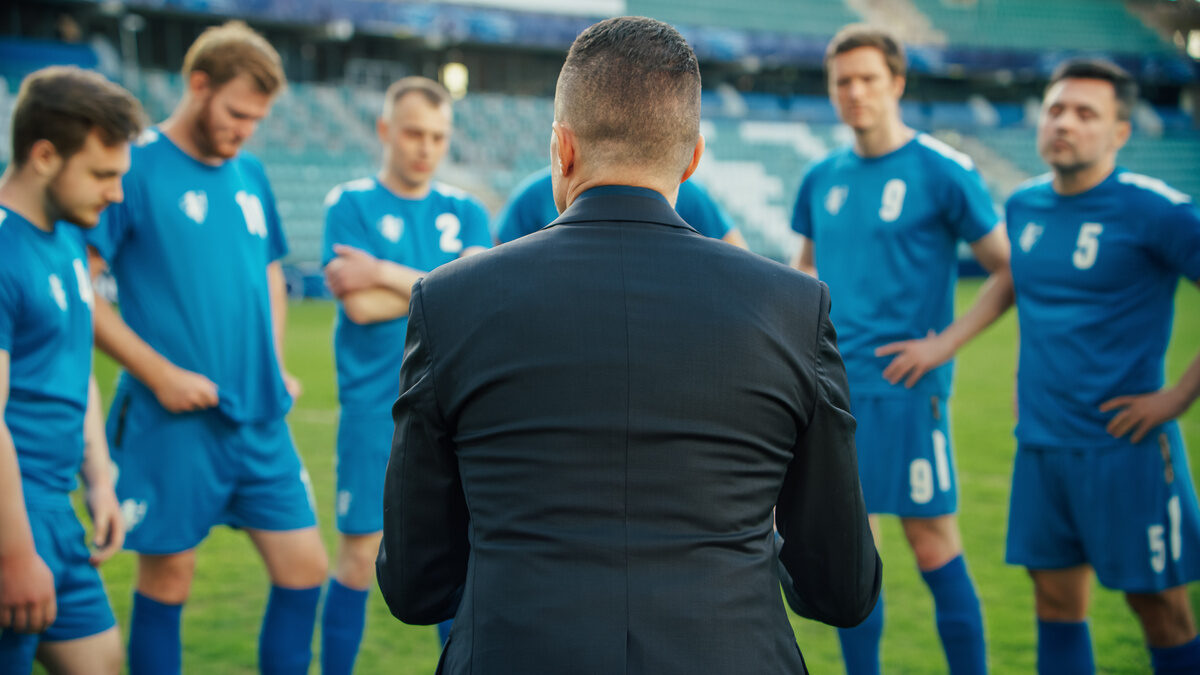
point(194, 204)
point(133, 511)
point(1030, 236)
point(835, 198)
point(56, 290)
point(391, 227)
point(252, 211)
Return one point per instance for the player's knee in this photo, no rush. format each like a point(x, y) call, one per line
point(166, 578)
point(111, 658)
point(934, 542)
point(1057, 602)
point(356, 562)
point(311, 568)
point(1166, 617)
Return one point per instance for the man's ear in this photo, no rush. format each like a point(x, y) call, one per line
point(381, 129)
point(697, 152)
point(44, 158)
point(564, 148)
point(198, 83)
point(1123, 131)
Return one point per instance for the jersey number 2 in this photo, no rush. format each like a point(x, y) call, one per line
point(449, 225)
point(1087, 246)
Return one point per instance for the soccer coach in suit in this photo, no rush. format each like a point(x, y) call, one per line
point(597, 421)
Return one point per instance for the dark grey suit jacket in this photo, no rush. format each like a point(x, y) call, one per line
point(595, 424)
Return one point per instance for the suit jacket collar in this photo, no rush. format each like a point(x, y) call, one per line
point(621, 203)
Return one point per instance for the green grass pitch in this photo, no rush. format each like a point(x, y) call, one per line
point(221, 620)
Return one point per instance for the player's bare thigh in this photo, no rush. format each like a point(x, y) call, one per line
point(356, 559)
point(166, 578)
point(1062, 595)
point(1166, 616)
point(294, 558)
point(98, 654)
point(934, 541)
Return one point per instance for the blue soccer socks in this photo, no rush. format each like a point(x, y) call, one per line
point(959, 618)
point(285, 643)
point(1064, 648)
point(1179, 660)
point(154, 641)
point(860, 645)
point(342, 624)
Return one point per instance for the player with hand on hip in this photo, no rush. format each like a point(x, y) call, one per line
point(1101, 479)
point(880, 222)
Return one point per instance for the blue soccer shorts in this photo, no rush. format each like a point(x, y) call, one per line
point(904, 458)
point(83, 608)
point(180, 474)
point(1127, 510)
point(364, 443)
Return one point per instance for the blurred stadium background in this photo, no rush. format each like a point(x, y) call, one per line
point(977, 71)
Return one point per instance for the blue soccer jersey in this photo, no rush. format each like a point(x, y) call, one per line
point(886, 231)
point(46, 328)
point(1095, 277)
point(531, 208)
point(418, 233)
point(189, 248)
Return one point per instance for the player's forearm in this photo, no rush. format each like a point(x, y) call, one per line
point(277, 288)
point(995, 297)
point(374, 305)
point(115, 338)
point(96, 469)
point(735, 237)
point(15, 535)
point(1188, 386)
point(397, 278)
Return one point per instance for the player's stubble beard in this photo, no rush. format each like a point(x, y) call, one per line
point(204, 134)
point(56, 208)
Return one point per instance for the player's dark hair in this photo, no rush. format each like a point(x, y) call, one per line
point(858, 35)
point(1124, 86)
point(432, 91)
point(630, 90)
point(63, 104)
point(231, 49)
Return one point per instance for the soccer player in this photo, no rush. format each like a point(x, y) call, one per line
point(531, 207)
point(70, 134)
point(880, 222)
point(1101, 479)
point(382, 233)
point(197, 423)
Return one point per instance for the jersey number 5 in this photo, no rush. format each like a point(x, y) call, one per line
point(1158, 547)
point(1087, 246)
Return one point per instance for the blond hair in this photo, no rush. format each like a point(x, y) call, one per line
point(232, 49)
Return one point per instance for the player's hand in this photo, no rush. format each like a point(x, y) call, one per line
point(180, 390)
point(914, 358)
point(292, 384)
point(27, 602)
point(1142, 412)
point(352, 270)
point(107, 522)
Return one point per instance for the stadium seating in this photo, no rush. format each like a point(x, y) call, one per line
point(759, 146)
point(1032, 24)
